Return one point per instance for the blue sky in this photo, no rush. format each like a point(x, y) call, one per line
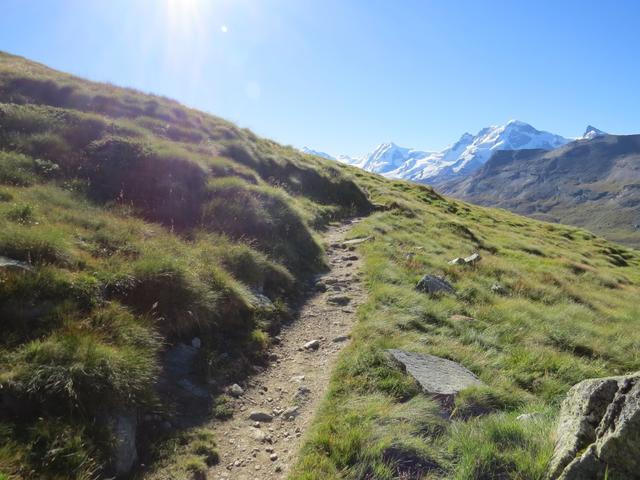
point(345, 75)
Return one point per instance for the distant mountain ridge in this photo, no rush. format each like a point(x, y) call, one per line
point(461, 158)
point(593, 182)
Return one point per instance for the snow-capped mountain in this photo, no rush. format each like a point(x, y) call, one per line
point(459, 159)
point(591, 132)
point(463, 157)
point(317, 153)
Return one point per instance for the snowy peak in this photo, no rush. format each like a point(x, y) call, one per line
point(470, 152)
point(466, 155)
point(310, 151)
point(591, 132)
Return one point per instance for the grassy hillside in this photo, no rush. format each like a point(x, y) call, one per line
point(568, 312)
point(129, 223)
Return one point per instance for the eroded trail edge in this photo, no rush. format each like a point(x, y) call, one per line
point(270, 417)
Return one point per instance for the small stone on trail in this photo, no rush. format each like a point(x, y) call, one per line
point(196, 342)
point(339, 299)
point(290, 413)
point(260, 416)
point(312, 345)
point(273, 457)
point(235, 390)
point(341, 338)
point(350, 258)
point(257, 434)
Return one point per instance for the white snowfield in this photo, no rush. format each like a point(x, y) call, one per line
point(463, 157)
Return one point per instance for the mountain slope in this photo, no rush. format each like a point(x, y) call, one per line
point(593, 183)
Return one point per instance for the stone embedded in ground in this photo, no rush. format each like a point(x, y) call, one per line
point(356, 241)
point(432, 285)
point(499, 289)
point(291, 413)
point(257, 416)
point(196, 342)
point(598, 432)
point(339, 299)
point(261, 301)
point(302, 394)
point(341, 338)
point(473, 258)
point(437, 376)
point(470, 260)
point(235, 390)
point(350, 258)
point(312, 345)
point(257, 434)
point(122, 428)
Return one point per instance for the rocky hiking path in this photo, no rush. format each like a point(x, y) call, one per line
point(274, 408)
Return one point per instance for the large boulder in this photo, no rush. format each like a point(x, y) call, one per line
point(438, 377)
point(599, 431)
point(433, 285)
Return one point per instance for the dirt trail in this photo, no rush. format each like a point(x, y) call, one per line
point(296, 377)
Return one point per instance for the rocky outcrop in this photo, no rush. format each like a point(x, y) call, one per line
point(599, 431)
point(433, 285)
point(438, 377)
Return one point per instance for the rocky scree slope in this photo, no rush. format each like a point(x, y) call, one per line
point(593, 183)
point(148, 254)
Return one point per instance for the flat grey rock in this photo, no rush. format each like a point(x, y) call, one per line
point(436, 375)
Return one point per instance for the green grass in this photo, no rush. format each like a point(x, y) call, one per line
point(142, 223)
point(568, 314)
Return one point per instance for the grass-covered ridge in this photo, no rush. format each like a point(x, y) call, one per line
point(129, 223)
point(569, 312)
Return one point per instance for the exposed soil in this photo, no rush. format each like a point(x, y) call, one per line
point(296, 377)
